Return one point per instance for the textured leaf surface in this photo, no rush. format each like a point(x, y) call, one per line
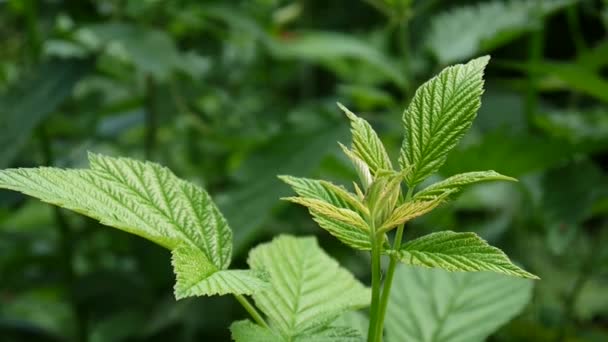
point(144, 199)
point(440, 113)
point(333, 208)
point(462, 32)
point(366, 144)
point(196, 277)
point(410, 210)
point(453, 251)
point(309, 289)
point(456, 183)
point(246, 331)
point(437, 306)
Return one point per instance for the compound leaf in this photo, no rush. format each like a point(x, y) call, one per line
point(147, 200)
point(309, 289)
point(453, 251)
point(333, 208)
point(440, 113)
point(366, 143)
point(428, 305)
point(457, 182)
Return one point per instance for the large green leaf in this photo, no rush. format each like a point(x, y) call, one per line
point(440, 113)
point(28, 102)
point(453, 251)
point(462, 32)
point(457, 182)
point(148, 200)
point(437, 306)
point(309, 290)
point(334, 209)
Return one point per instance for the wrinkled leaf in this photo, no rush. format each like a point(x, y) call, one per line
point(440, 113)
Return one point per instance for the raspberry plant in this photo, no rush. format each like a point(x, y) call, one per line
point(298, 290)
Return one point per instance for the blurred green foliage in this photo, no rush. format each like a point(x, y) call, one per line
point(230, 94)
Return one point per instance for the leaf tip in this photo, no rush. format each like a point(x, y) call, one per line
point(346, 111)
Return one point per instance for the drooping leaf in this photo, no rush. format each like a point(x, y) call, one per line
point(453, 251)
point(148, 200)
point(28, 102)
point(309, 289)
point(456, 183)
point(366, 144)
point(334, 209)
point(462, 32)
point(440, 113)
point(436, 306)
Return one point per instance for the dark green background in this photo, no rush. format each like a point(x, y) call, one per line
point(229, 94)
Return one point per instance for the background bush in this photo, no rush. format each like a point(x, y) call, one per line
point(230, 94)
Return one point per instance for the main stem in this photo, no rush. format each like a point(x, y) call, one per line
point(376, 268)
point(388, 283)
point(252, 311)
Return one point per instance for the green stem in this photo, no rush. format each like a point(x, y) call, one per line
point(388, 283)
point(376, 269)
point(252, 310)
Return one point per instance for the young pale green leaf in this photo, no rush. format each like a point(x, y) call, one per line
point(382, 196)
point(453, 251)
point(148, 200)
point(440, 113)
point(366, 144)
point(456, 183)
point(428, 305)
point(309, 289)
point(247, 331)
point(362, 169)
point(334, 209)
point(325, 191)
point(410, 210)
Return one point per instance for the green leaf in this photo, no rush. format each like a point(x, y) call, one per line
point(440, 113)
point(455, 183)
point(309, 289)
point(196, 277)
point(453, 251)
point(148, 200)
point(434, 305)
point(334, 209)
point(410, 210)
point(327, 47)
point(30, 101)
point(247, 331)
point(366, 144)
point(462, 32)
